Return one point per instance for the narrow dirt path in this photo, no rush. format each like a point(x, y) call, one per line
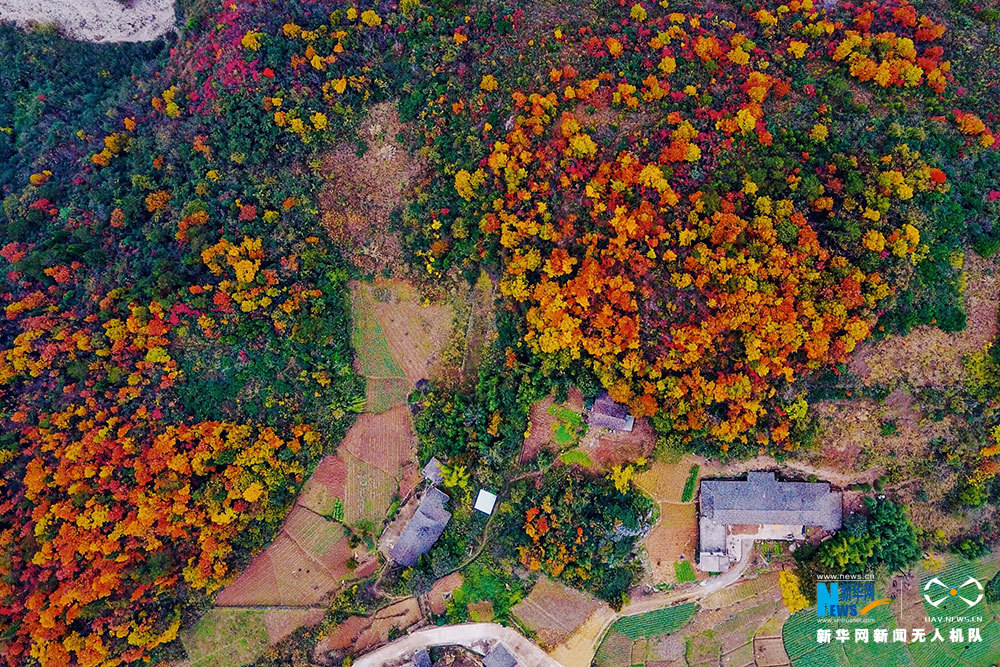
point(580, 653)
point(838, 478)
point(528, 654)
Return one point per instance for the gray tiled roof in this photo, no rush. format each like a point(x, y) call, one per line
point(423, 529)
point(432, 471)
point(712, 535)
point(421, 658)
point(499, 657)
point(762, 499)
point(607, 414)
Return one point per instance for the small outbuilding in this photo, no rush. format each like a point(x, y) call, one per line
point(432, 472)
point(605, 413)
point(423, 529)
point(485, 501)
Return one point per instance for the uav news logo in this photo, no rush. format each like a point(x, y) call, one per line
point(936, 592)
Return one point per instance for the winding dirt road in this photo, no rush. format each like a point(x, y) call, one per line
point(470, 635)
point(576, 654)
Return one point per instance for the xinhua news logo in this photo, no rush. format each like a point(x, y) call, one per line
point(846, 598)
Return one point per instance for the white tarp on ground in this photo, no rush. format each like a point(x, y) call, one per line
point(95, 20)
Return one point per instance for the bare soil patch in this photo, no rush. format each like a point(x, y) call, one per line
point(542, 423)
point(282, 575)
point(664, 482)
point(379, 455)
point(554, 611)
point(437, 599)
point(480, 612)
point(361, 192)
point(342, 636)
point(95, 20)
point(669, 649)
point(358, 634)
point(770, 652)
point(928, 356)
point(576, 649)
point(608, 448)
point(281, 623)
point(323, 541)
point(816, 464)
point(674, 535)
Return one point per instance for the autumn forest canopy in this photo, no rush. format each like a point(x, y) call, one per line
point(700, 207)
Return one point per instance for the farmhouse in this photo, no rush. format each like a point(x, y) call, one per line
point(605, 413)
point(423, 529)
point(734, 513)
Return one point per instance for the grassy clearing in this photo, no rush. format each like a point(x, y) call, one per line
point(576, 456)
point(569, 426)
point(654, 623)
point(480, 588)
point(226, 638)
point(374, 356)
point(690, 484)
point(566, 415)
point(683, 571)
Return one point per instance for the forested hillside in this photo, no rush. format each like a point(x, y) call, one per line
point(700, 206)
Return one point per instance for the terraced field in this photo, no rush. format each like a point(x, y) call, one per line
point(384, 440)
point(799, 635)
point(374, 358)
point(654, 623)
point(553, 611)
point(640, 639)
point(368, 492)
